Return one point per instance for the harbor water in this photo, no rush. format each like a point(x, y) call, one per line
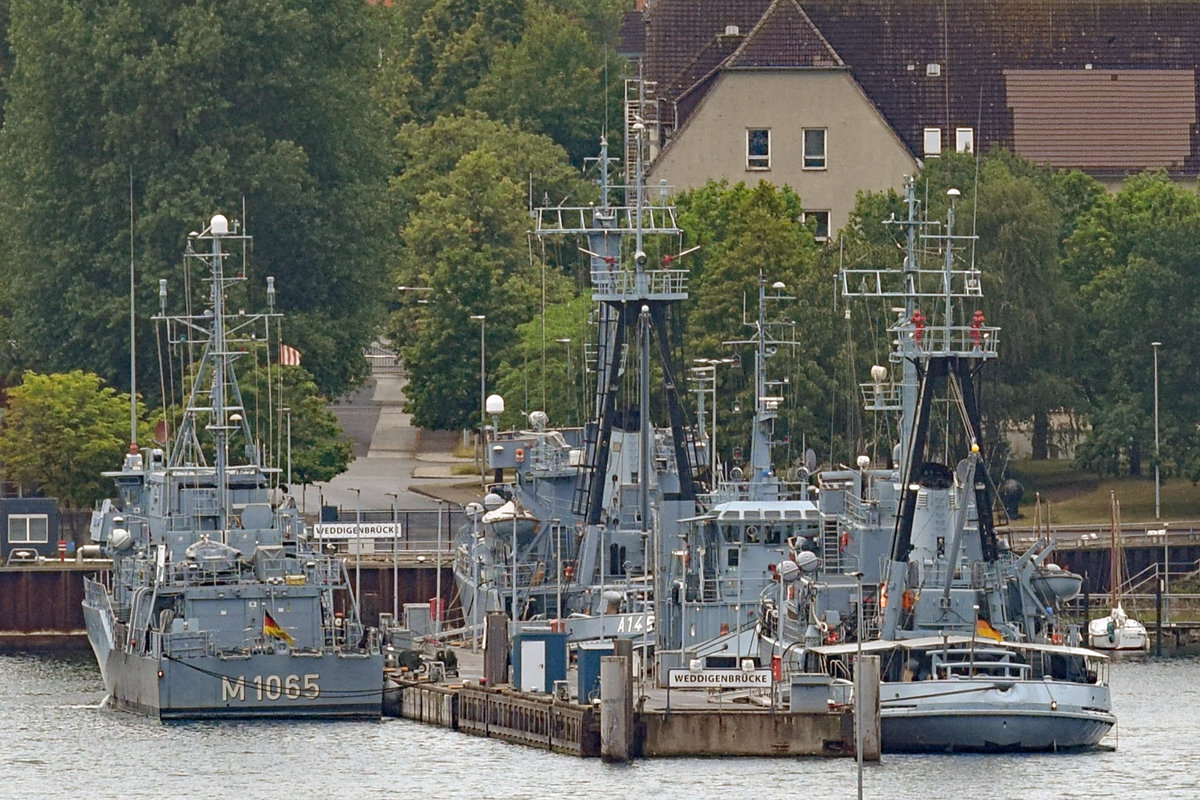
point(61, 742)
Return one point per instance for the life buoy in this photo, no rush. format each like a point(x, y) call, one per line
point(520, 455)
point(845, 541)
point(1056, 638)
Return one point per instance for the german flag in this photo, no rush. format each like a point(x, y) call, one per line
point(271, 628)
point(984, 629)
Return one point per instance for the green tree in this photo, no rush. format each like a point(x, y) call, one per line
point(741, 231)
point(258, 106)
point(318, 448)
point(466, 181)
point(440, 49)
point(61, 432)
point(551, 81)
point(1136, 253)
point(550, 375)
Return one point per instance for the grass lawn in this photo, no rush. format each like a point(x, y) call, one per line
point(1081, 497)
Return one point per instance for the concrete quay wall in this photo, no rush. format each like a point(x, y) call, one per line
point(745, 733)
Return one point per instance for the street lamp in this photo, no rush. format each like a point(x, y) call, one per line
point(288, 412)
point(357, 548)
point(395, 559)
point(482, 320)
point(437, 624)
point(1157, 505)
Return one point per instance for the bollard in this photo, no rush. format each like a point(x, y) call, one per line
point(496, 649)
point(615, 703)
point(868, 706)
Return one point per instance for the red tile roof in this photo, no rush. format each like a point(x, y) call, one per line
point(940, 63)
point(1103, 120)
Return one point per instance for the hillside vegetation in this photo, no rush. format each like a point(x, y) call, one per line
point(1071, 496)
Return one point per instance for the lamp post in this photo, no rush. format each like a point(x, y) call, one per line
point(288, 412)
point(437, 624)
point(482, 320)
point(395, 559)
point(357, 547)
point(1157, 505)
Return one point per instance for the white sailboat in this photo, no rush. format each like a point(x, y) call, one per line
point(1117, 630)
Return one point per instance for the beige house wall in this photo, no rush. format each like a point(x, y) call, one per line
point(863, 153)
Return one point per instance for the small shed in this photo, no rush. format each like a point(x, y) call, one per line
point(588, 655)
point(29, 524)
point(539, 658)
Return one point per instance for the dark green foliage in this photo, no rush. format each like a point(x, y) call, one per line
point(465, 184)
point(204, 108)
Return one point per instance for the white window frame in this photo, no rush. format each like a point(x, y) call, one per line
point(757, 161)
point(933, 142)
point(964, 140)
point(24, 535)
point(815, 164)
point(815, 211)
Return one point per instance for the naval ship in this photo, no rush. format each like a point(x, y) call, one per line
point(572, 539)
point(974, 652)
point(217, 604)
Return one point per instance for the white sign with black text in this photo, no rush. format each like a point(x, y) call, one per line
point(719, 679)
point(351, 530)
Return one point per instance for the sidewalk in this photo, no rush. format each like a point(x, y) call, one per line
point(392, 457)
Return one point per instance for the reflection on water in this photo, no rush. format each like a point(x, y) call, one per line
point(63, 744)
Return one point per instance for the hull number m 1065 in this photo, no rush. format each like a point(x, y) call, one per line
point(271, 687)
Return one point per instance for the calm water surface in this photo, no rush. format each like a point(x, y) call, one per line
point(60, 743)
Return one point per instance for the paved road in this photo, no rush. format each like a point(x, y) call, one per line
point(391, 456)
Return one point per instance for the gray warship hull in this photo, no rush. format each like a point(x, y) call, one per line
point(285, 684)
point(993, 725)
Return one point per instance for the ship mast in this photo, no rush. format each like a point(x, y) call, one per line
point(939, 352)
point(214, 393)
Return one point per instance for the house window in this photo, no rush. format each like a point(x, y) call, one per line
point(814, 148)
point(818, 223)
point(933, 142)
point(758, 148)
point(964, 140)
point(28, 528)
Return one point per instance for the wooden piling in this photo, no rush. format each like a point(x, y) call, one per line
point(496, 651)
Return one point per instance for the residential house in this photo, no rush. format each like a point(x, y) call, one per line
point(836, 96)
point(769, 101)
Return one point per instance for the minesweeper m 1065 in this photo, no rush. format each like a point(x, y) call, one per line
point(217, 604)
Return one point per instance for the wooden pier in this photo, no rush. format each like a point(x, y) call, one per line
point(689, 726)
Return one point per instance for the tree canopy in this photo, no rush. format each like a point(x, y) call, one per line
point(465, 246)
point(169, 114)
point(62, 431)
